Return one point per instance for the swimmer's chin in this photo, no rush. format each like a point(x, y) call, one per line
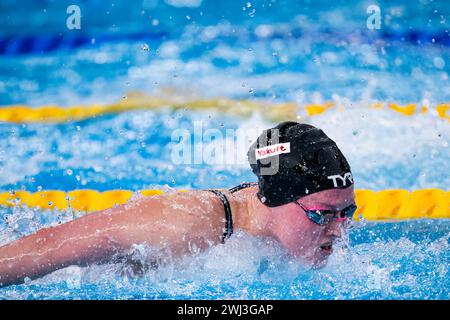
point(313, 262)
point(319, 263)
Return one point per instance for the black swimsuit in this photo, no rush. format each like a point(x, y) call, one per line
point(226, 205)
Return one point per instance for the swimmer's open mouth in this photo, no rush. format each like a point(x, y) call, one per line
point(327, 248)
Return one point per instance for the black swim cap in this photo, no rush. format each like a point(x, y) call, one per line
point(293, 160)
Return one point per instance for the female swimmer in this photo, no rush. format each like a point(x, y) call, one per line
point(303, 198)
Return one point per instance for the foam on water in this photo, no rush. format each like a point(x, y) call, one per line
point(134, 150)
point(387, 267)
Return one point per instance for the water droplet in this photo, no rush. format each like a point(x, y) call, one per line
point(439, 62)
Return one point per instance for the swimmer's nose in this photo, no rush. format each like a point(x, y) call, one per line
point(334, 229)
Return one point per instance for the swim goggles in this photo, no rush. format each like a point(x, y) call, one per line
point(323, 217)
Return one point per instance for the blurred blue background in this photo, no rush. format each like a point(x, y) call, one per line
point(286, 50)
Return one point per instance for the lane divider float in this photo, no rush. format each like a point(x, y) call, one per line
point(139, 101)
point(394, 204)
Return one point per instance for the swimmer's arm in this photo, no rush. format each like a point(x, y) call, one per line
point(96, 237)
point(78, 242)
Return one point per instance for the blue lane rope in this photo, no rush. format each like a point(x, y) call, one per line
point(19, 45)
point(11, 45)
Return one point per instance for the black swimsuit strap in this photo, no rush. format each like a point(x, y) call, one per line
point(228, 218)
point(226, 205)
point(243, 186)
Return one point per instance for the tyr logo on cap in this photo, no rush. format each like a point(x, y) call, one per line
point(344, 178)
point(272, 150)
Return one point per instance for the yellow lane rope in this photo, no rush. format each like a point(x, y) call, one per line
point(395, 204)
point(137, 101)
point(140, 101)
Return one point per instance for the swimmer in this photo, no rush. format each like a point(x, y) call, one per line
point(303, 199)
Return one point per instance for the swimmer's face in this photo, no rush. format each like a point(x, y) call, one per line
point(305, 239)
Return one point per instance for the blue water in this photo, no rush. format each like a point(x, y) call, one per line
point(300, 51)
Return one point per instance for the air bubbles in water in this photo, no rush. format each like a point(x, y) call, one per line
point(168, 189)
point(73, 281)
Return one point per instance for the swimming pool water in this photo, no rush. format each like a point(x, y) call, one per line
point(402, 260)
point(303, 52)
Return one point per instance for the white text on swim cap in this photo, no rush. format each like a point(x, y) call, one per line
point(344, 178)
point(273, 150)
